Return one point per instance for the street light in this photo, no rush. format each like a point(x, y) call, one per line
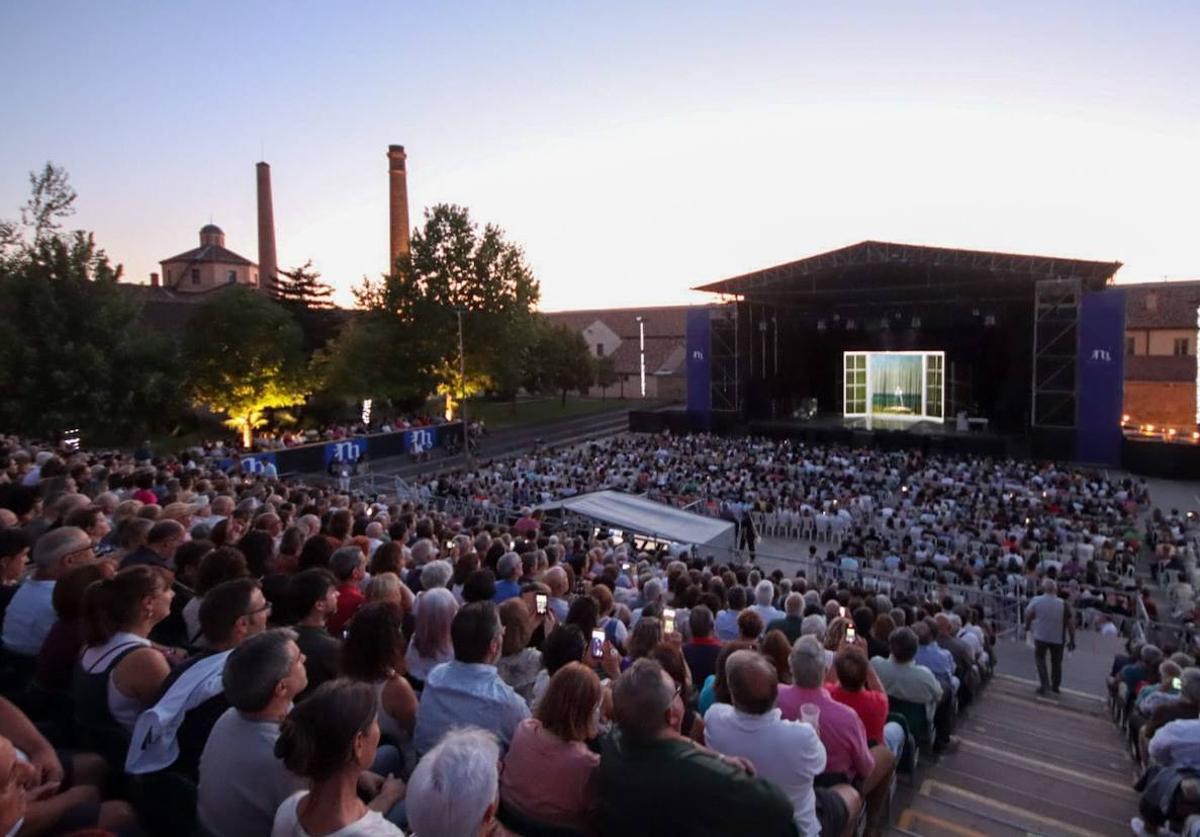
point(642, 351)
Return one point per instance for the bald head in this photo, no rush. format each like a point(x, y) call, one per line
point(753, 683)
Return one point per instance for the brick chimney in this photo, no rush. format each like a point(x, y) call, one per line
point(154, 280)
point(266, 230)
point(397, 204)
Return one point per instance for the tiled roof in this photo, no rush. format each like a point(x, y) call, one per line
point(666, 329)
point(1174, 304)
point(209, 253)
point(1160, 368)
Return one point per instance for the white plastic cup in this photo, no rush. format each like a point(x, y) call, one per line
point(810, 714)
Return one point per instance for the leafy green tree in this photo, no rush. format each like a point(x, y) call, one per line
point(368, 360)
point(455, 266)
point(606, 373)
point(74, 358)
point(559, 362)
point(245, 357)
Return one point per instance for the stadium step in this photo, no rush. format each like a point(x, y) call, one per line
point(1026, 764)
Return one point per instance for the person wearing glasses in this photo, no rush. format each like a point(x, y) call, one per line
point(30, 614)
point(171, 734)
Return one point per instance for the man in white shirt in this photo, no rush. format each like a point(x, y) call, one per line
point(788, 753)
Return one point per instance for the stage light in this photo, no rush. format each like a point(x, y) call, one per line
point(989, 320)
point(1171, 432)
point(916, 322)
point(1195, 436)
point(820, 325)
point(1125, 419)
point(850, 325)
point(1149, 428)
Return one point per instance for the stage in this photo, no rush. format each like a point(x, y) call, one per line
point(929, 437)
point(901, 339)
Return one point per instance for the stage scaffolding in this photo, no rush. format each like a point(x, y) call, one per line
point(1055, 352)
point(723, 355)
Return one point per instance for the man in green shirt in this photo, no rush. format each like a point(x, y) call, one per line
point(653, 781)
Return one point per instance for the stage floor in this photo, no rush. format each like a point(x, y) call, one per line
point(834, 421)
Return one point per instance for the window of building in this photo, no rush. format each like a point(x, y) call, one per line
point(195, 276)
point(599, 350)
point(233, 277)
point(1130, 346)
point(1181, 347)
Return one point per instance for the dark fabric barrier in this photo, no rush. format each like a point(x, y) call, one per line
point(1171, 460)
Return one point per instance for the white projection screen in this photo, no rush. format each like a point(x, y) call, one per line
point(901, 386)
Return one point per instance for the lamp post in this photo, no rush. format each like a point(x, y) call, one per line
point(642, 351)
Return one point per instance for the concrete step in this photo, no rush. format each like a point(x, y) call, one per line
point(930, 817)
point(1054, 793)
point(1103, 753)
point(989, 815)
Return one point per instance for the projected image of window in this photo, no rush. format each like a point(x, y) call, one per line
point(856, 384)
point(895, 383)
point(934, 376)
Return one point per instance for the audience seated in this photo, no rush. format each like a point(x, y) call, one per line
point(645, 762)
point(242, 781)
point(331, 739)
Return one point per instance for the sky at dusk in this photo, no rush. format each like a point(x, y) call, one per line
point(634, 150)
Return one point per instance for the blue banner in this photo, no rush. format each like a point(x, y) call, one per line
point(347, 450)
point(1100, 374)
point(699, 366)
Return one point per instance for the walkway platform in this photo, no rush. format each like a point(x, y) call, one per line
point(1027, 764)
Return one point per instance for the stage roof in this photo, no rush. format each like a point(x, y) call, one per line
point(863, 266)
point(647, 517)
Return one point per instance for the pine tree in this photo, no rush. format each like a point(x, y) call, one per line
point(302, 287)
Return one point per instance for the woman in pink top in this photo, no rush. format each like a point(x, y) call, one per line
point(549, 773)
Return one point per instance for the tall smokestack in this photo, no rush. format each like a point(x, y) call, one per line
point(266, 230)
point(397, 203)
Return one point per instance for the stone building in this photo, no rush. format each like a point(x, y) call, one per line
point(208, 266)
point(1160, 353)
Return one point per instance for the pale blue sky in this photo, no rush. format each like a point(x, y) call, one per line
point(633, 150)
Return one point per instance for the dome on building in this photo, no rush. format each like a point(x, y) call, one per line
point(212, 234)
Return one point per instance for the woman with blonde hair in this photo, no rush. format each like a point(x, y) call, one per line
point(549, 773)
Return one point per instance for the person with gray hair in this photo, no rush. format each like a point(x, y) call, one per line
point(792, 624)
point(455, 790)
point(847, 752)
point(436, 574)
point(652, 592)
point(349, 567)
point(645, 761)
point(509, 570)
point(764, 598)
point(241, 782)
point(423, 550)
point(30, 613)
point(788, 753)
point(1051, 621)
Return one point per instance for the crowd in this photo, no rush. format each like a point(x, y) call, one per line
point(1001, 526)
point(250, 656)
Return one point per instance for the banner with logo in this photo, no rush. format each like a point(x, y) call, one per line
point(346, 450)
point(1100, 373)
point(699, 368)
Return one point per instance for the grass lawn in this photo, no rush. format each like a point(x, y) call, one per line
point(535, 410)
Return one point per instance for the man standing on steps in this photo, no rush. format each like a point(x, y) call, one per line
point(1050, 620)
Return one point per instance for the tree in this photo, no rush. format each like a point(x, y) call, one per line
point(308, 300)
point(302, 287)
point(245, 357)
point(454, 266)
point(371, 358)
point(73, 356)
point(560, 361)
point(606, 373)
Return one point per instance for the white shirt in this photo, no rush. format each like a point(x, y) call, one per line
point(788, 753)
point(287, 823)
